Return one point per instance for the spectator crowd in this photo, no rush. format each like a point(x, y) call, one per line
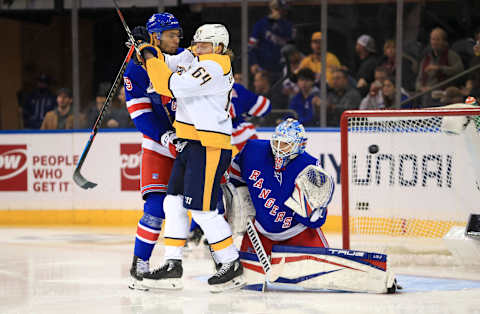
point(370, 84)
point(291, 78)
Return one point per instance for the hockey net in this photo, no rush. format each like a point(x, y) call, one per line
point(408, 177)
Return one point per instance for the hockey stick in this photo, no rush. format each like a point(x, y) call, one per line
point(135, 44)
point(125, 26)
point(261, 254)
point(77, 176)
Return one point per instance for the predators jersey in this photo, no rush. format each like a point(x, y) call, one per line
point(202, 90)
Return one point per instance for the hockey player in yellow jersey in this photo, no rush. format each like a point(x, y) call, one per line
point(202, 88)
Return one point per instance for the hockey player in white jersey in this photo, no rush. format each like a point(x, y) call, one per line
point(202, 89)
point(287, 193)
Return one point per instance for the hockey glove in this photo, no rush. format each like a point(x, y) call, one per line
point(144, 47)
point(170, 140)
point(141, 34)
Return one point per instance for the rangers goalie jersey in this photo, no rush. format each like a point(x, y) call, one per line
point(269, 189)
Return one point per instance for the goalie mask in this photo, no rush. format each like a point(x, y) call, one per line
point(288, 141)
point(212, 33)
point(160, 22)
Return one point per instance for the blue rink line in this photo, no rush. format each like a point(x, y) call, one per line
point(421, 284)
point(408, 283)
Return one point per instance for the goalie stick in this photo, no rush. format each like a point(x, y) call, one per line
point(77, 176)
point(135, 44)
point(261, 254)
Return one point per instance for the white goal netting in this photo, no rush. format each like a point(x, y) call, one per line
point(424, 178)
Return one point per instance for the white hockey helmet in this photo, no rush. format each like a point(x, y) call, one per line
point(212, 33)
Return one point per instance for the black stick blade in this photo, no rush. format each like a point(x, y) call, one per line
point(82, 182)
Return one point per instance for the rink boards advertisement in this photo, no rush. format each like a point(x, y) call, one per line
point(36, 170)
point(36, 174)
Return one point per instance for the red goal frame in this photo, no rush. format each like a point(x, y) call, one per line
point(378, 113)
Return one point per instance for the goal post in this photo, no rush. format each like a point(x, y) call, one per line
point(408, 174)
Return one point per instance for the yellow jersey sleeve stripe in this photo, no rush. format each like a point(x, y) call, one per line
point(222, 60)
point(174, 242)
point(159, 75)
point(222, 244)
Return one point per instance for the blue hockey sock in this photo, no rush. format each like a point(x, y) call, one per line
point(149, 226)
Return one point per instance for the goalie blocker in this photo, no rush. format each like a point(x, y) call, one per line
point(321, 269)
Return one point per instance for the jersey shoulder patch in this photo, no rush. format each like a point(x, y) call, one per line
point(222, 60)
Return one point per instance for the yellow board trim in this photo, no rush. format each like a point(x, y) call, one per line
point(222, 244)
point(212, 158)
point(222, 60)
point(108, 217)
point(333, 224)
point(174, 242)
point(402, 227)
point(130, 218)
point(159, 75)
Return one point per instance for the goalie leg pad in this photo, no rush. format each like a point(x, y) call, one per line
point(331, 269)
point(253, 273)
point(238, 207)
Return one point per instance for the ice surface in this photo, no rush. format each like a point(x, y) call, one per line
point(81, 270)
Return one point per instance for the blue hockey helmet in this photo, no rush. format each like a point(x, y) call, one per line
point(160, 22)
point(288, 141)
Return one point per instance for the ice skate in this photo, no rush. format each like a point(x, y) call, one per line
point(138, 269)
point(169, 276)
point(229, 276)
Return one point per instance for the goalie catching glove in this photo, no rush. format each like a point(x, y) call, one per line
point(170, 140)
point(312, 193)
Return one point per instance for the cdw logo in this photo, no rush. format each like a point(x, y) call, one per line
point(13, 168)
point(130, 157)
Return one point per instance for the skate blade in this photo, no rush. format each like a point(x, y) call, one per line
point(135, 284)
point(165, 284)
point(235, 283)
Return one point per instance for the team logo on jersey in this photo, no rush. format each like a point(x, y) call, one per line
point(13, 168)
point(173, 105)
point(130, 157)
point(180, 70)
point(278, 163)
point(128, 83)
point(278, 176)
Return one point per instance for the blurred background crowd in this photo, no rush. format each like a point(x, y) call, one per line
point(439, 48)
